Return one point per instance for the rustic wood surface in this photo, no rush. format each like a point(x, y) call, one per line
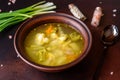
point(13, 68)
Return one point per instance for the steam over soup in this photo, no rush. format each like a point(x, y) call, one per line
point(53, 44)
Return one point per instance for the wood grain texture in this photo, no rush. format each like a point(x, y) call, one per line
point(13, 68)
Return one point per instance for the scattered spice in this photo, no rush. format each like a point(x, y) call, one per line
point(1, 65)
point(105, 47)
point(10, 36)
point(111, 73)
point(12, 1)
point(114, 10)
point(100, 2)
point(0, 10)
point(114, 15)
point(9, 3)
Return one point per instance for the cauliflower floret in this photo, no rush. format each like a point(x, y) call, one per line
point(63, 37)
point(39, 38)
point(53, 36)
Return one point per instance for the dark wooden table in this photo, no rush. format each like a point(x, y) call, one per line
point(91, 68)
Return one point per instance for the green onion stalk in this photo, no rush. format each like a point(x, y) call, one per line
point(11, 18)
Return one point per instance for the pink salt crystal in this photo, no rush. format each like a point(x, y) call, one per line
point(12, 1)
point(100, 2)
point(10, 36)
point(1, 65)
point(9, 3)
point(114, 15)
point(0, 10)
point(111, 73)
point(114, 10)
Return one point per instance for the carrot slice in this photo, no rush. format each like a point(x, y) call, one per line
point(49, 30)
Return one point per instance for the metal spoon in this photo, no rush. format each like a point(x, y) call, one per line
point(110, 35)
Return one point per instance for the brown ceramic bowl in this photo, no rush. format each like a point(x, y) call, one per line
point(28, 25)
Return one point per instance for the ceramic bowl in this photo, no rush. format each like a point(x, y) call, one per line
point(29, 24)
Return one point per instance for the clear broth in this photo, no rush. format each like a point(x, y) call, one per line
point(53, 44)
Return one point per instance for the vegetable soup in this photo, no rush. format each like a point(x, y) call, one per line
point(53, 44)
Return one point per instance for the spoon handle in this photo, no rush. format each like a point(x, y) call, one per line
point(100, 64)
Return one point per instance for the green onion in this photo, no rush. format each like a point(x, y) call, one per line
point(11, 18)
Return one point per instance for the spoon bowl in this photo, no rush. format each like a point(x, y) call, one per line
point(110, 34)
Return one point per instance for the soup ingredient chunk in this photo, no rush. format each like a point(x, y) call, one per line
point(53, 44)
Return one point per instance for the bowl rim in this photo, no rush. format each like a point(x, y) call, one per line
point(54, 68)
